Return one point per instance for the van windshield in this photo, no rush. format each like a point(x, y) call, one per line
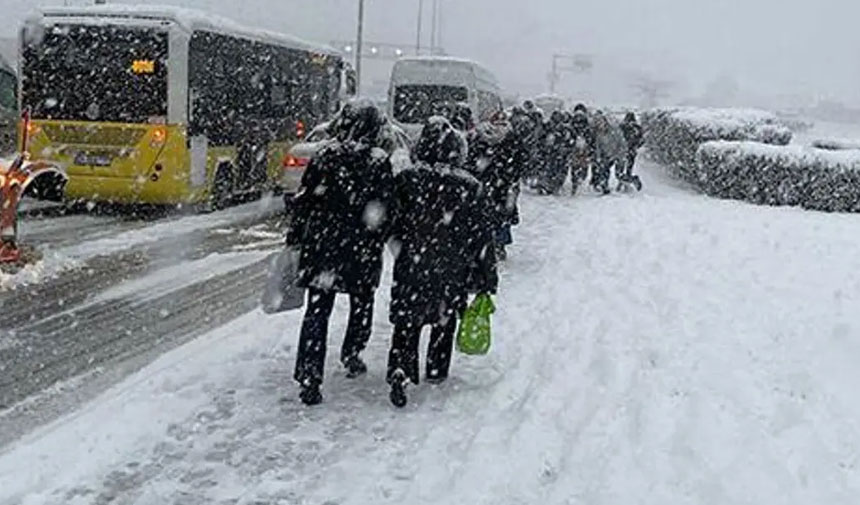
point(415, 103)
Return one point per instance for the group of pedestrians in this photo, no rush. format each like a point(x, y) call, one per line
point(580, 142)
point(447, 219)
point(436, 217)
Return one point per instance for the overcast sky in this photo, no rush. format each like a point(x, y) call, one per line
point(768, 47)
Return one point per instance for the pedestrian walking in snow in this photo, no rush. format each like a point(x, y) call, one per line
point(556, 154)
point(584, 147)
point(611, 151)
point(533, 140)
point(498, 158)
point(341, 224)
point(634, 136)
point(444, 251)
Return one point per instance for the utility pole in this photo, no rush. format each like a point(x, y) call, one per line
point(418, 36)
point(433, 27)
point(439, 26)
point(359, 43)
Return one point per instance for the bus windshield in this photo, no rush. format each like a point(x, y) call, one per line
point(414, 104)
point(96, 73)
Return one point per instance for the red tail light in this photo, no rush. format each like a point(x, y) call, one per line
point(300, 129)
point(293, 163)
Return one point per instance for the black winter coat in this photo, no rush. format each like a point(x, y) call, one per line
point(500, 164)
point(584, 140)
point(444, 246)
point(341, 218)
point(632, 134)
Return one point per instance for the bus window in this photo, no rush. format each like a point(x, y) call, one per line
point(415, 103)
point(8, 85)
point(96, 73)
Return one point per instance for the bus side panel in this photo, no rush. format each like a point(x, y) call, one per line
point(119, 163)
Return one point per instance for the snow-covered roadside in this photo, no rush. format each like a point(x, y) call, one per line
point(66, 258)
point(174, 228)
point(824, 130)
point(657, 348)
point(49, 266)
point(172, 278)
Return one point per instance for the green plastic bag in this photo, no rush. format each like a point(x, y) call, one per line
point(474, 336)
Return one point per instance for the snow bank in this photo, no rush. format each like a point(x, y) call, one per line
point(836, 144)
point(44, 269)
point(780, 175)
point(673, 136)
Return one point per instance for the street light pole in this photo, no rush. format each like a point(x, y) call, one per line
point(359, 43)
point(433, 27)
point(439, 25)
point(420, 19)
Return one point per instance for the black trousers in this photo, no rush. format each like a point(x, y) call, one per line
point(600, 173)
point(313, 341)
point(403, 355)
point(625, 173)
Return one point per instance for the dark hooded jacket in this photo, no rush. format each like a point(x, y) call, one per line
point(499, 158)
point(443, 243)
point(633, 134)
point(342, 214)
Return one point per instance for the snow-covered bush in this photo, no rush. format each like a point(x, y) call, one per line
point(673, 136)
point(780, 175)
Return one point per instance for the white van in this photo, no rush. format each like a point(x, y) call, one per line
point(419, 85)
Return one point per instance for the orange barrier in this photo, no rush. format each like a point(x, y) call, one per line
point(19, 178)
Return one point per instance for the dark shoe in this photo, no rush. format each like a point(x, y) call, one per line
point(501, 253)
point(637, 182)
point(435, 381)
point(355, 367)
point(398, 390)
point(310, 393)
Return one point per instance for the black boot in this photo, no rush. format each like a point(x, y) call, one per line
point(398, 389)
point(355, 367)
point(310, 393)
point(637, 183)
point(501, 253)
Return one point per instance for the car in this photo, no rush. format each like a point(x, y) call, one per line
point(296, 160)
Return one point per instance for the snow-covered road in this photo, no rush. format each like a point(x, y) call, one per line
point(660, 348)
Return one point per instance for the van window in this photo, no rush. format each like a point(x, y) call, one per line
point(8, 87)
point(415, 103)
point(488, 105)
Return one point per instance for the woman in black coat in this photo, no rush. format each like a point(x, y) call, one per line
point(498, 158)
point(443, 237)
point(341, 225)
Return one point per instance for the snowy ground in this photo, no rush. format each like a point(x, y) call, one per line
point(69, 241)
point(661, 348)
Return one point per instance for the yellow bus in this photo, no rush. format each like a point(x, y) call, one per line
point(169, 106)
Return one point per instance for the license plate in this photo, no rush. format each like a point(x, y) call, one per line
point(93, 159)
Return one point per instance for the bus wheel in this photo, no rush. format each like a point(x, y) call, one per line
point(222, 189)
